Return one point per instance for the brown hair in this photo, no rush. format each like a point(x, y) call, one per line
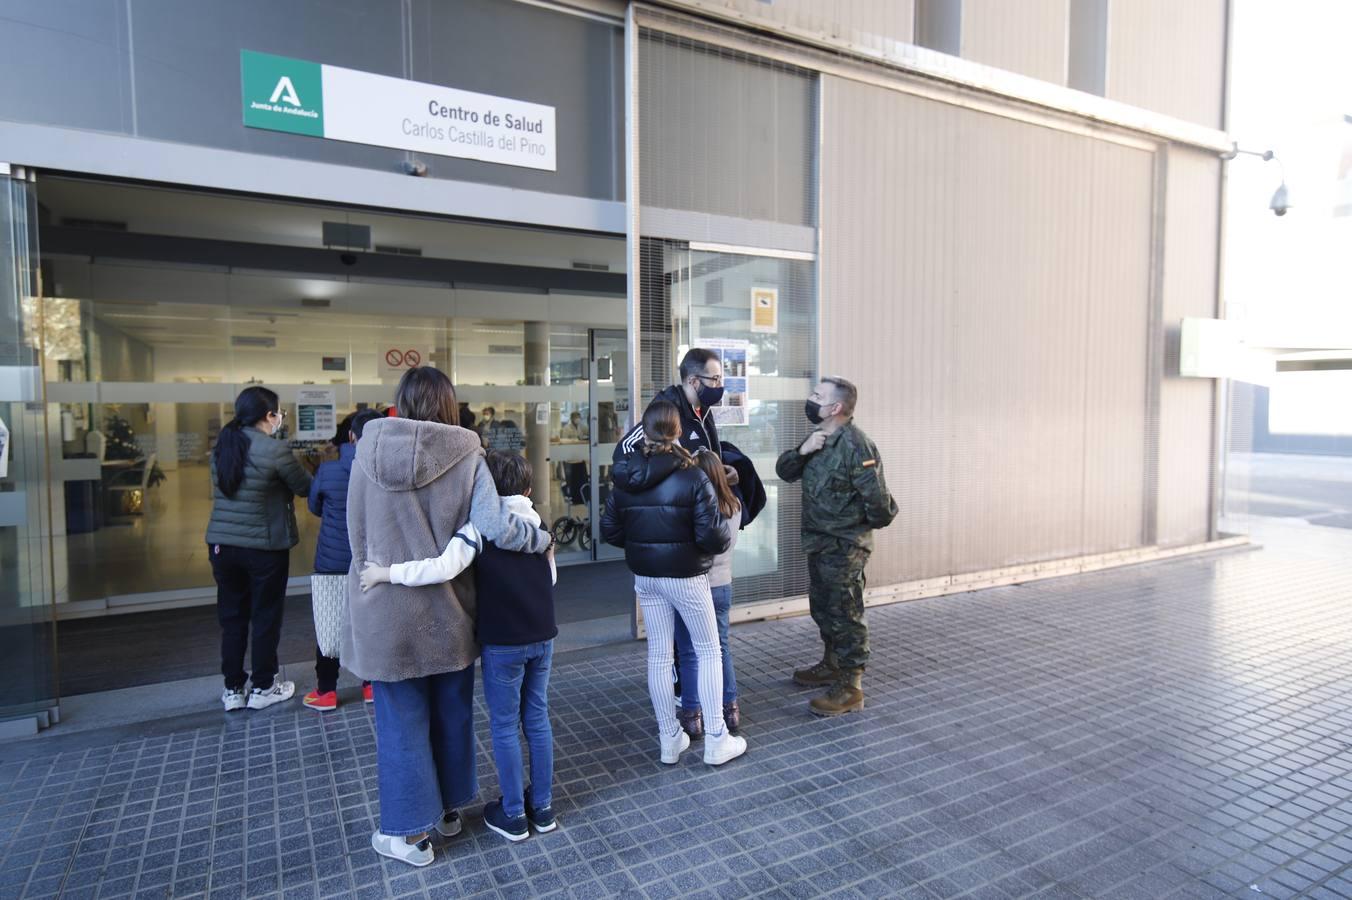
point(662, 431)
point(711, 465)
point(511, 473)
point(427, 395)
point(847, 395)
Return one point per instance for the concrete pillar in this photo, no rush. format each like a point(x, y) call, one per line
point(537, 435)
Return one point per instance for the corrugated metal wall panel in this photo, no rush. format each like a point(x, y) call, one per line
point(725, 135)
point(1028, 37)
point(986, 283)
point(1116, 348)
point(869, 24)
point(1169, 56)
point(1187, 405)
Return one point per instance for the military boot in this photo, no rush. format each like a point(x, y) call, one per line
point(846, 695)
point(824, 672)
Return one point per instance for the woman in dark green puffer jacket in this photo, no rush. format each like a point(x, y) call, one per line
point(254, 481)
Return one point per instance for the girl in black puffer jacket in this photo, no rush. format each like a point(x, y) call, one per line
point(669, 519)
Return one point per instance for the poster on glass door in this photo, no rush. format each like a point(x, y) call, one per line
point(734, 408)
point(316, 418)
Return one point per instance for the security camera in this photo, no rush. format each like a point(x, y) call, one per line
point(1281, 202)
point(350, 259)
point(415, 167)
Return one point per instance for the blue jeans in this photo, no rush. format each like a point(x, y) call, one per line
point(688, 665)
point(424, 749)
point(516, 685)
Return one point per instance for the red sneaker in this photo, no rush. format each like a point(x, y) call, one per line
point(322, 702)
point(367, 694)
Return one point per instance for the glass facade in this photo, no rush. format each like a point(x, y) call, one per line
point(760, 312)
point(27, 632)
point(143, 358)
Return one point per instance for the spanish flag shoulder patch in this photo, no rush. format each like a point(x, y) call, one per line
point(869, 462)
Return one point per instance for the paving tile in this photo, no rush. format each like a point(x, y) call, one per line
point(1166, 730)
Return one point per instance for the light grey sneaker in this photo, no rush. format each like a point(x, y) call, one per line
point(419, 854)
point(673, 747)
point(279, 692)
point(233, 700)
point(727, 746)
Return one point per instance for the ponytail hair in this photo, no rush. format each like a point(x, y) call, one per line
point(662, 432)
point(711, 465)
point(232, 445)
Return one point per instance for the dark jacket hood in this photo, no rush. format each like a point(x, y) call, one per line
point(403, 455)
point(638, 472)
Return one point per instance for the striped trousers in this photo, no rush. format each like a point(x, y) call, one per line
point(662, 599)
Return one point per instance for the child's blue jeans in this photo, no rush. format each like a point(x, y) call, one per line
point(688, 666)
point(516, 684)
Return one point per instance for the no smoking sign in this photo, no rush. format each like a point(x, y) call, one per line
point(396, 360)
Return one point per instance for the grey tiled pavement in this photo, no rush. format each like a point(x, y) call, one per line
point(1182, 729)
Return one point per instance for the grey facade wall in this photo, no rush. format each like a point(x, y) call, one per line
point(1187, 405)
point(986, 282)
point(870, 24)
point(170, 71)
point(1166, 56)
point(725, 136)
point(1028, 37)
point(1169, 56)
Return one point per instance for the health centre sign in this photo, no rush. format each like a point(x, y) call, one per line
point(301, 97)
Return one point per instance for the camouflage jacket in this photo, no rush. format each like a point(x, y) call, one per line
point(844, 494)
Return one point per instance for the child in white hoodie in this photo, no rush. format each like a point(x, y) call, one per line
point(516, 629)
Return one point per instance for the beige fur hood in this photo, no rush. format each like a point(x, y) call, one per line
point(404, 455)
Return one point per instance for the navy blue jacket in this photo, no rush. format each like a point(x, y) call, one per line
point(515, 597)
point(328, 500)
point(749, 489)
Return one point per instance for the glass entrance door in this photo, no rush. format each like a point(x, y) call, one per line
point(28, 689)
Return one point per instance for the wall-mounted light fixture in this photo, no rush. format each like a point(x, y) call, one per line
point(1281, 200)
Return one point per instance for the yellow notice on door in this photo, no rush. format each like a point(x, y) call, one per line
point(765, 309)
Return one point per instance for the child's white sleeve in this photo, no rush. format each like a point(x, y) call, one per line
point(459, 553)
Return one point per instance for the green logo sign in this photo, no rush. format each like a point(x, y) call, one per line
point(282, 94)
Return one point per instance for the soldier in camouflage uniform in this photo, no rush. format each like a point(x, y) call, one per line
point(844, 499)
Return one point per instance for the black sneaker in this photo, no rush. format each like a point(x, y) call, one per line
point(512, 829)
point(541, 820)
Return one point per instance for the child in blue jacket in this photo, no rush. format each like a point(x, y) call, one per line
point(333, 556)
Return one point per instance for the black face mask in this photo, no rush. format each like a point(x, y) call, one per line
point(813, 410)
point(708, 396)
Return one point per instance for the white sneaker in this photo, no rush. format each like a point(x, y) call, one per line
point(727, 746)
point(280, 691)
point(419, 854)
point(673, 747)
point(233, 700)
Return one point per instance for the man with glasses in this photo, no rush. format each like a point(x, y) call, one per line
point(700, 390)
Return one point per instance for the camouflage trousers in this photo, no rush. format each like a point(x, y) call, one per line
point(836, 599)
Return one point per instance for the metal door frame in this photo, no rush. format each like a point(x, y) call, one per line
point(594, 436)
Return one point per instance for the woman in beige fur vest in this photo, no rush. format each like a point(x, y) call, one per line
point(416, 480)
